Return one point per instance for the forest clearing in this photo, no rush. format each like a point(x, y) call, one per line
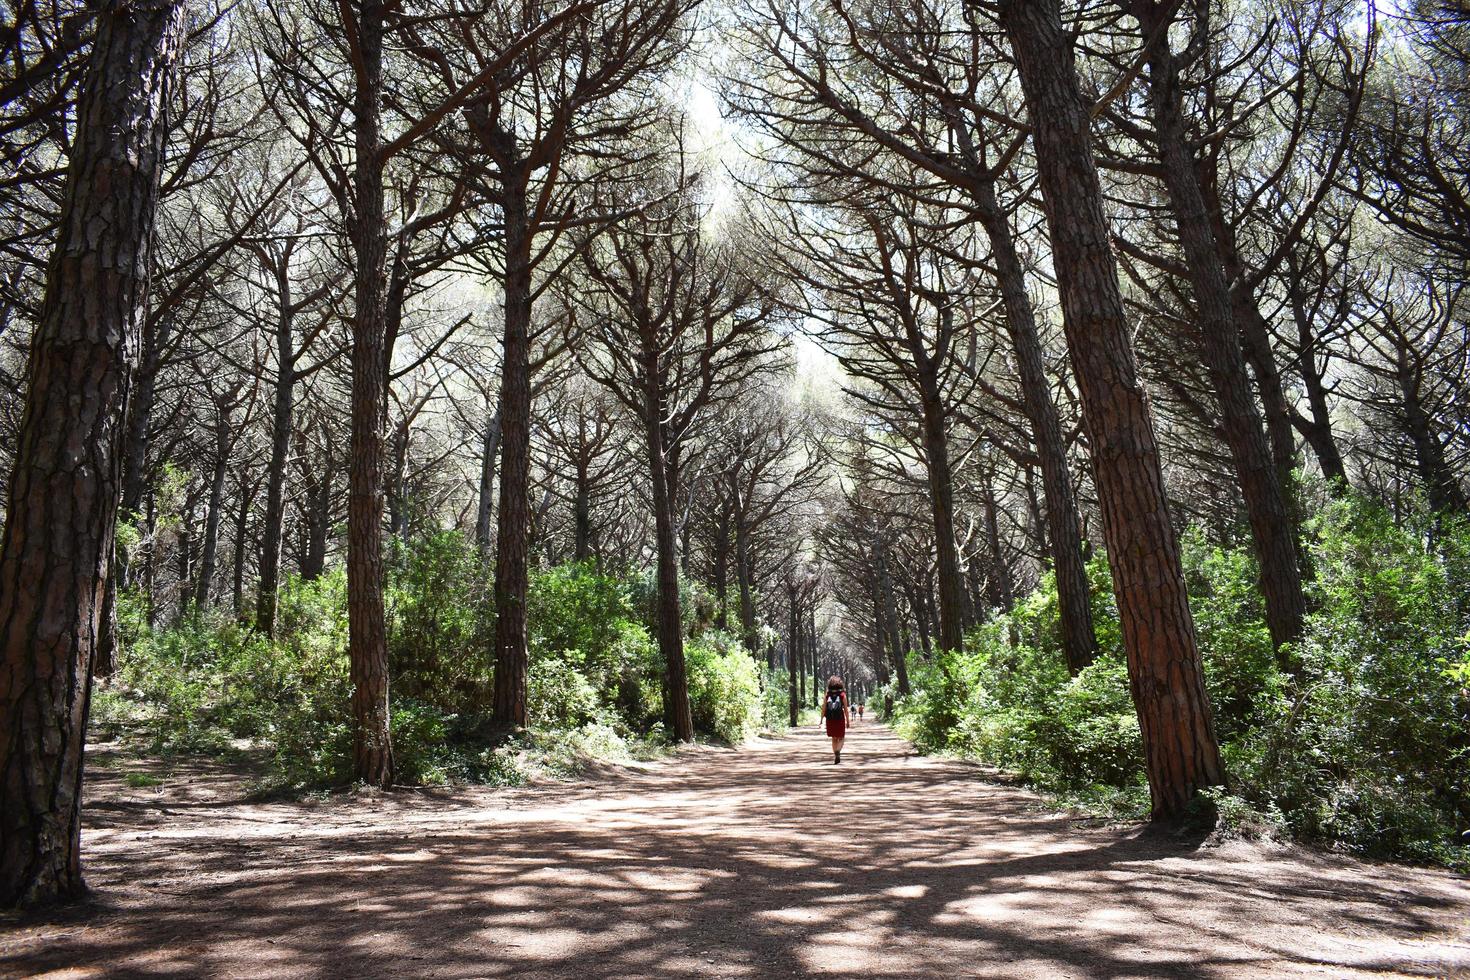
point(726, 863)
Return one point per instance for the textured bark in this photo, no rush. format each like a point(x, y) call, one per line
point(134, 481)
point(1002, 593)
point(269, 577)
point(887, 611)
point(484, 511)
point(317, 516)
point(222, 444)
point(582, 513)
point(1255, 339)
point(743, 576)
point(793, 652)
point(1316, 427)
point(1064, 536)
point(513, 530)
point(721, 546)
point(1442, 488)
point(1164, 668)
point(1271, 520)
point(367, 645)
point(670, 617)
point(242, 526)
point(941, 503)
point(66, 480)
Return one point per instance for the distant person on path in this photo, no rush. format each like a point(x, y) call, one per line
point(860, 711)
point(835, 714)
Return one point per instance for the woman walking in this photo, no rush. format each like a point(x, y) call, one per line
point(835, 713)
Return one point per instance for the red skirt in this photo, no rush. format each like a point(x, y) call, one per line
point(838, 728)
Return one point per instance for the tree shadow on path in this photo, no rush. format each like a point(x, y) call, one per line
point(761, 862)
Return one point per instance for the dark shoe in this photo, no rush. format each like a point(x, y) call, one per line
point(839, 756)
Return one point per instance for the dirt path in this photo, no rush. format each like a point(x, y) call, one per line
point(763, 862)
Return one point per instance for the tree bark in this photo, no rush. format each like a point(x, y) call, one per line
point(222, 443)
point(793, 652)
point(670, 618)
point(1316, 428)
point(941, 503)
point(742, 577)
point(489, 449)
point(1271, 520)
point(1164, 668)
point(269, 577)
point(1001, 592)
point(513, 530)
point(1079, 637)
point(887, 611)
point(66, 480)
point(1441, 487)
point(372, 745)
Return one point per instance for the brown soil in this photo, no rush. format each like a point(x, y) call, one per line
point(767, 861)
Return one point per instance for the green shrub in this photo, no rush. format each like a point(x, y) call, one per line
point(1366, 745)
point(775, 700)
point(440, 622)
point(724, 687)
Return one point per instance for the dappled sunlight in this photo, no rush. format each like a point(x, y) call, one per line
point(755, 863)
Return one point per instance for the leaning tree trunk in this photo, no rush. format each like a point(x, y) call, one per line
point(372, 746)
point(1164, 668)
point(1271, 521)
point(1440, 483)
point(64, 488)
point(512, 574)
point(670, 617)
point(1079, 638)
point(1316, 427)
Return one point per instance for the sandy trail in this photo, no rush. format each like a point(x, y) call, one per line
point(763, 862)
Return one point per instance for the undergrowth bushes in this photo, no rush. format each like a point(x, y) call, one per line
point(207, 683)
point(1365, 744)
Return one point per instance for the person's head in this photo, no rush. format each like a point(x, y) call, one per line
point(834, 683)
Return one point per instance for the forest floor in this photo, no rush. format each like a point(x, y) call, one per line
point(759, 862)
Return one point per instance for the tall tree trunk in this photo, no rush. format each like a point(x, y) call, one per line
point(721, 547)
point(1271, 520)
point(138, 424)
point(317, 518)
point(888, 611)
point(489, 449)
point(372, 743)
point(1316, 428)
point(242, 524)
point(793, 652)
point(670, 618)
point(269, 577)
point(941, 503)
point(1002, 593)
point(1165, 673)
point(1445, 494)
point(66, 481)
point(1079, 638)
point(513, 531)
point(1255, 339)
point(582, 514)
point(743, 576)
point(211, 521)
